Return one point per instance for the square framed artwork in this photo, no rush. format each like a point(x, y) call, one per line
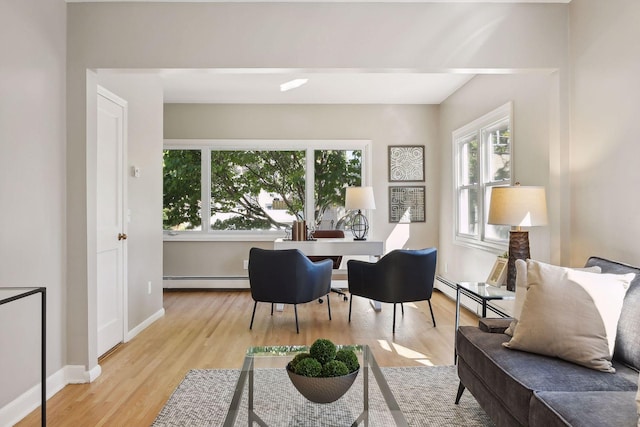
point(498, 275)
point(407, 204)
point(406, 163)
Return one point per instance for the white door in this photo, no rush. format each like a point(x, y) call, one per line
point(111, 238)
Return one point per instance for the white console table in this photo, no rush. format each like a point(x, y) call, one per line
point(335, 246)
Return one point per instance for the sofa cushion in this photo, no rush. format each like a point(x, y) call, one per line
point(585, 409)
point(627, 348)
point(570, 314)
point(514, 375)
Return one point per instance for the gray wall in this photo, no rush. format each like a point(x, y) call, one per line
point(605, 90)
point(32, 186)
point(383, 125)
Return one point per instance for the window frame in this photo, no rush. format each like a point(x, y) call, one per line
point(460, 136)
point(208, 145)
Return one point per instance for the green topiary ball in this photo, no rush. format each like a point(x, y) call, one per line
point(308, 367)
point(349, 358)
point(334, 368)
point(298, 357)
point(323, 350)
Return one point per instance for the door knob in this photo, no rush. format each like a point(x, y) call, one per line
point(122, 236)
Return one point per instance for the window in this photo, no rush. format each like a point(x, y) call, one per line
point(248, 189)
point(182, 189)
point(256, 190)
point(482, 160)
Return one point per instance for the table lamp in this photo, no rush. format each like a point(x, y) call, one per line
point(359, 198)
point(517, 206)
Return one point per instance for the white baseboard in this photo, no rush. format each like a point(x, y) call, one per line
point(77, 374)
point(24, 404)
point(206, 283)
point(145, 324)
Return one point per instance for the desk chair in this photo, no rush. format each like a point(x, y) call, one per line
point(337, 259)
point(287, 277)
point(400, 276)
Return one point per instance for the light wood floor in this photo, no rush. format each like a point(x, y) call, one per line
point(208, 329)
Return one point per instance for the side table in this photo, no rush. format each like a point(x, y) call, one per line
point(480, 292)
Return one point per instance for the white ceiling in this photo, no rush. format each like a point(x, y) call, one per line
point(322, 1)
point(202, 86)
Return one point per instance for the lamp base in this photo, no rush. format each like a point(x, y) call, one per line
point(359, 226)
point(518, 249)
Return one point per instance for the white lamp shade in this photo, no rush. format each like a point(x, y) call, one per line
point(518, 206)
point(359, 198)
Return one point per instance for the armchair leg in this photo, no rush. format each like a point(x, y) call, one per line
point(350, 302)
point(253, 315)
point(394, 317)
point(402, 307)
point(460, 391)
point(295, 309)
point(272, 309)
point(432, 316)
point(329, 306)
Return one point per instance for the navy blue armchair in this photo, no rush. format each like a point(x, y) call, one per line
point(400, 276)
point(287, 277)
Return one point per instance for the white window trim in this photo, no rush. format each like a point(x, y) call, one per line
point(259, 144)
point(476, 127)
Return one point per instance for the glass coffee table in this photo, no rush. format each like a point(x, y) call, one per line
point(265, 396)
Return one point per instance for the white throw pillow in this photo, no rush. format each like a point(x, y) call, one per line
point(570, 314)
point(521, 290)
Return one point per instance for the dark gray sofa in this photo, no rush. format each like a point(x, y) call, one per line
point(517, 388)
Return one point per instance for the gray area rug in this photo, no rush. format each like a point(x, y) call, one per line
point(425, 396)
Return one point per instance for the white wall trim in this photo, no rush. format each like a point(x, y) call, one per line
point(28, 401)
point(76, 374)
point(24, 404)
point(145, 324)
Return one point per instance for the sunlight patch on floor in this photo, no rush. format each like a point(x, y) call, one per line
point(384, 345)
point(405, 352)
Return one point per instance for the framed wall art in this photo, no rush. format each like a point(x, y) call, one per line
point(407, 204)
point(406, 163)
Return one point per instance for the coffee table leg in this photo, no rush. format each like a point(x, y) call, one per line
point(365, 386)
point(364, 416)
point(253, 417)
point(251, 387)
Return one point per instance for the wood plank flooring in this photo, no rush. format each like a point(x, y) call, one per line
point(210, 329)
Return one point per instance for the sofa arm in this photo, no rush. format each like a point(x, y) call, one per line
point(494, 326)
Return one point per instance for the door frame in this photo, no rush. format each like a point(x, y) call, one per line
point(101, 91)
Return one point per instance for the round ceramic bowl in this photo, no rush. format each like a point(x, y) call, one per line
point(323, 390)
